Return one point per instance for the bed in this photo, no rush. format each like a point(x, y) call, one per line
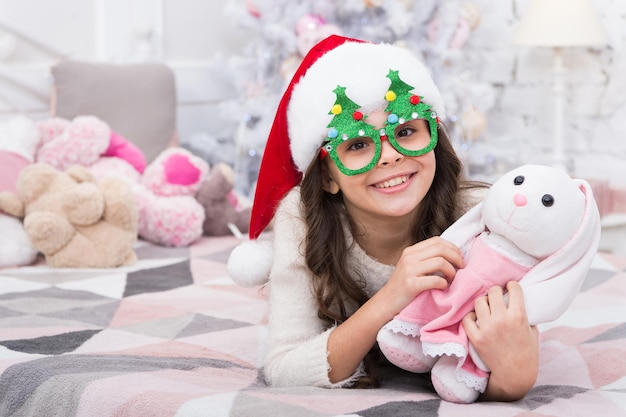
point(172, 335)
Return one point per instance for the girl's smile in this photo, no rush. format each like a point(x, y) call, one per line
point(394, 184)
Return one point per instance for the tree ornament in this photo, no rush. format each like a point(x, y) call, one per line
point(402, 105)
point(346, 122)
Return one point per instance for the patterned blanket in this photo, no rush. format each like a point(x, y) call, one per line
point(174, 336)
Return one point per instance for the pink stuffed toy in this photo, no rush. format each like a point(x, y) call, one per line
point(537, 226)
point(79, 142)
point(169, 214)
point(121, 148)
point(19, 140)
point(83, 141)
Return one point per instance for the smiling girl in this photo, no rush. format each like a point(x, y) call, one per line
point(360, 179)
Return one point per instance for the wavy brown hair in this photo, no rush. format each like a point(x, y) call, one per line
point(336, 290)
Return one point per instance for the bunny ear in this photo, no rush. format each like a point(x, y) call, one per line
point(466, 228)
point(550, 287)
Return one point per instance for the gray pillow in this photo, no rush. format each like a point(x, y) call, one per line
point(138, 101)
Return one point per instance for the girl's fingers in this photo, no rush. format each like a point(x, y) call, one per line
point(429, 264)
point(470, 325)
point(516, 295)
point(439, 267)
point(493, 303)
point(496, 300)
point(436, 247)
point(481, 307)
point(430, 282)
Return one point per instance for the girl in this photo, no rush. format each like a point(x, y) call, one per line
point(365, 180)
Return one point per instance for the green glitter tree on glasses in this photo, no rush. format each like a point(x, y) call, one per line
point(348, 123)
point(403, 106)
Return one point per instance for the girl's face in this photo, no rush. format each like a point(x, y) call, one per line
point(395, 186)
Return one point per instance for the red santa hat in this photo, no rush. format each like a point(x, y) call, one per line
point(301, 121)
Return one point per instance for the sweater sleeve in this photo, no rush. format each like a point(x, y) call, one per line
point(297, 352)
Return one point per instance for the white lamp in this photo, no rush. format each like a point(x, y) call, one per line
point(558, 24)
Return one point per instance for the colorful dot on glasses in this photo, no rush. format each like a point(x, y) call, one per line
point(333, 133)
point(357, 115)
point(390, 96)
point(336, 109)
point(414, 100)
point(392, 118)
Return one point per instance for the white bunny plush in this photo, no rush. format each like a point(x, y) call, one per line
point(537, 226)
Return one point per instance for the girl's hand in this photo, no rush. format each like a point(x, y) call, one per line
point(431, 263)
point(505, 341)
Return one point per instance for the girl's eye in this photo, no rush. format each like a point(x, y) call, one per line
point(357, 145)
point(405, 131)
point(519, 180)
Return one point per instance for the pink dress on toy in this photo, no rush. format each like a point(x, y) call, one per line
point(435, 316)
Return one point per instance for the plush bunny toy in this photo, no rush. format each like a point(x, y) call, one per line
point(537, 226)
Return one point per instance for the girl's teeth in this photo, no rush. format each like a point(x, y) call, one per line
point(393, 182)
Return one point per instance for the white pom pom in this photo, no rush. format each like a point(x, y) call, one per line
point(250, 263)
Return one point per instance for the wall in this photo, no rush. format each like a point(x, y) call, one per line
point(194, 36)
point(521, 121)
point(187, 34)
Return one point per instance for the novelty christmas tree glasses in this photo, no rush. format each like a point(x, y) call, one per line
point(355, 145)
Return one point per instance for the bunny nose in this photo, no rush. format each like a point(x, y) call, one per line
point(520, 200)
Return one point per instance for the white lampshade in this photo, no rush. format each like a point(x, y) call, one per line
point(557, 23)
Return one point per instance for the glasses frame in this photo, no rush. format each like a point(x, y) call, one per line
point(378, 136)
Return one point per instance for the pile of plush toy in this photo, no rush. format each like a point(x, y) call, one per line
point(80, 194)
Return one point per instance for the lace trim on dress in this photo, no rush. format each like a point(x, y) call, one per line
point(449, 349)
point(407, 329)
point(471, 380)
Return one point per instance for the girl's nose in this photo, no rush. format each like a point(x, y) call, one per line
point(520, 200)
point(389, 154)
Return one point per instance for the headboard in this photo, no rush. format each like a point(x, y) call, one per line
point(138, 101)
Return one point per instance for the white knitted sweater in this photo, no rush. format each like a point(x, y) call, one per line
point(298, 339)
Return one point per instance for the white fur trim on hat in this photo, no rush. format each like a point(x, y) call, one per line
point(362, 68)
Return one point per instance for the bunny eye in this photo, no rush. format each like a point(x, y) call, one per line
point(519, 180)
point(547, 200)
